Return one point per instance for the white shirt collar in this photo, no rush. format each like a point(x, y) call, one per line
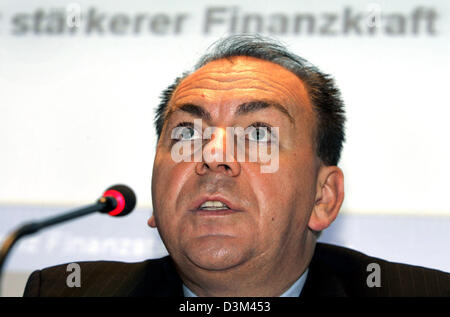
point(293, 291)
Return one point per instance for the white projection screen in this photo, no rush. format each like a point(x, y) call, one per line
point(80, 80)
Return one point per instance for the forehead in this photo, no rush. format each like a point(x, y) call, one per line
point(231, 81)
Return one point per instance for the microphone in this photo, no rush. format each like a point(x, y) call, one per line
point(117, 201)
point(122, 199)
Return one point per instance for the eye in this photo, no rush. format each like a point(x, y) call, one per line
point(185, 132)
point(259, 132)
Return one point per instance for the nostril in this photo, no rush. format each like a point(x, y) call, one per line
point(220, 166)
point(225, 166)
point(229, 168)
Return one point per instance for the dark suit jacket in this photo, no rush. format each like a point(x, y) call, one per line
point(334, 271)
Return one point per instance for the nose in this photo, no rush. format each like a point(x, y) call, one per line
point(216, 158)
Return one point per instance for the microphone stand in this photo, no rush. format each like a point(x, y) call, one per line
point(104, 204)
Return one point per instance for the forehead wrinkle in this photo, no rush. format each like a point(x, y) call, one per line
point(225, 78)
point(252, 69)
point(252, 83)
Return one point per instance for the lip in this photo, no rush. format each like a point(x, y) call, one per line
point(222, 212)
point(195, 207)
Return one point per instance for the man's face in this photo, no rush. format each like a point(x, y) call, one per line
point(269, 213)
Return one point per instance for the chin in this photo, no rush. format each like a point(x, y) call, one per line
point(216, 253)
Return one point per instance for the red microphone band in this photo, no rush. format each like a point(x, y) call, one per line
point(119, 199)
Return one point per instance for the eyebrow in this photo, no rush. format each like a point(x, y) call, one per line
point(192, 109)
point(243, 109)
point(257, 105)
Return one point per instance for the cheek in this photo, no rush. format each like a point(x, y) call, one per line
point(167, 181)
point(285, 198)
point(274, 199)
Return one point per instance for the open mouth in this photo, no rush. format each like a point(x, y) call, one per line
point(213, 205)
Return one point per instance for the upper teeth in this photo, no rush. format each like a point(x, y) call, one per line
point(213, 204)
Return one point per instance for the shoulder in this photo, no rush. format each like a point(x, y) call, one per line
point(363, 275)
point(101, 278)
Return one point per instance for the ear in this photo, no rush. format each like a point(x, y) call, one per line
point(329, 197)
point(151, 222)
